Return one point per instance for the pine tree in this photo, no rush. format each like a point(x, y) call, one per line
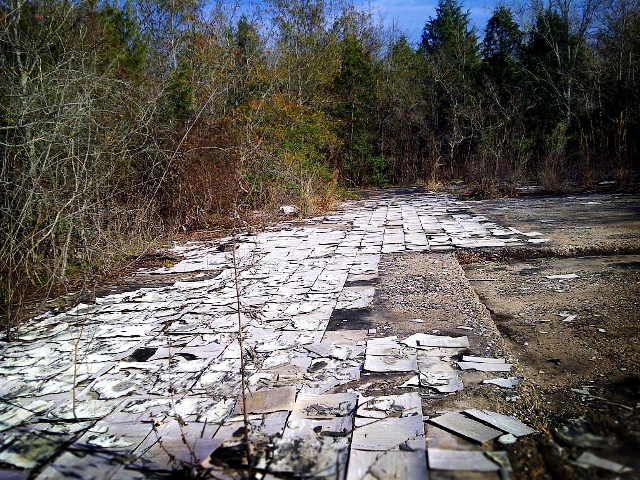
point(450, 36)
point(502, 46)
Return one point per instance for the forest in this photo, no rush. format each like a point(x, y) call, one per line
point(125, 122)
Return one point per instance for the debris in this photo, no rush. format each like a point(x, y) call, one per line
point(469, 358)
point(510, 382)
point(84, 409)
point(461, 460)
point(584, 391)
point(502, 460)
point(374, 363)
point(421, 340)
point(397, 434)
point(289, 210)
point(181, 357)
point(217, 412)
point(324, 406)
point(267, 400)
point(29, 450)
point(392, 349)
point(405, 405)
point(367, 465)
point(466, 427)
point(312, 428)
point(386, 355)
point(588, 459)
point(15, 414)
point(581, 391)
point(568, 276)
point(505, 423)
point(485, 367)
point(339, 352)
point(507, 439)
point(117, 384)
point(576, 434)
point(454, 384)
point(322, 457)
point(105, 440)
point(443, 382)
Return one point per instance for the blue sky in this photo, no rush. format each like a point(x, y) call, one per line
point(411, 15)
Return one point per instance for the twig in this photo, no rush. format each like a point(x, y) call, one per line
point(611, 403)
point(242, 370)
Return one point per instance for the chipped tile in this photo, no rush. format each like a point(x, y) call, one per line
point(388, 363)
point(505, 423)
point(466, 427)
point(399, 433)
point(421, 340)
point(373, 465)
point(267, 400)
point(485, 366)
point(460, 460)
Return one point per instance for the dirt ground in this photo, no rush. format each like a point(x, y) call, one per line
point(565, 311)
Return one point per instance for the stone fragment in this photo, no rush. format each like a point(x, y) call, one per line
point(507, 439)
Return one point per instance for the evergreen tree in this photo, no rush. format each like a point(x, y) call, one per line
point(501, 46)
point(451, 49)
point(450, 36)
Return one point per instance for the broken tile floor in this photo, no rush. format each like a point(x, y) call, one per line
point(148, 380)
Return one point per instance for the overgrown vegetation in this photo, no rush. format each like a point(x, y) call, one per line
point(133, 119)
